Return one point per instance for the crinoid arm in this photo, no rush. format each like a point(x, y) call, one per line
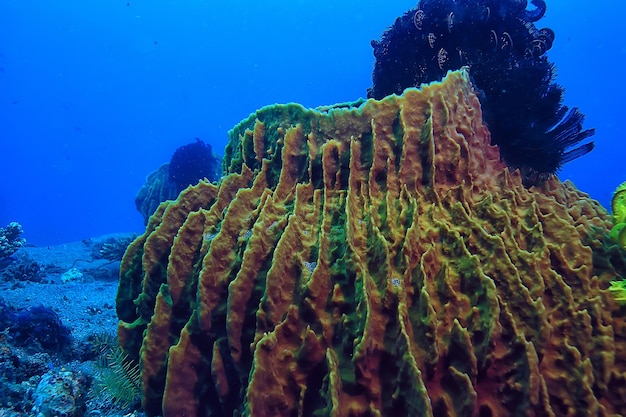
point(506, 56)
point(568, 133)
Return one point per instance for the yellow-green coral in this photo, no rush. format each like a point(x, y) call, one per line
point(618, 204)
point(618, 289)
point(618, 233)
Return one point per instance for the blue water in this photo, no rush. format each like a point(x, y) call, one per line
point(94, 95)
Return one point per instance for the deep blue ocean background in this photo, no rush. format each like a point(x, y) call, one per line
point(95, 95)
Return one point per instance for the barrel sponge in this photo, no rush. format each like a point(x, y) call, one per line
point(376, 259)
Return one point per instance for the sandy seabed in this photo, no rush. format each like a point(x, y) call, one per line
point(80, 287)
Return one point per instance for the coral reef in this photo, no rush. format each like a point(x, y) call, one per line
point(30, 341)
point(6, 315)
point(22, 267)
point(10, 240)
point(19, 375)
point(39, 328)
point(378, 260)
point(60, 393)
point(113, 248)
point(72, 274)
point(193, 162)
point(189, 164)
point(154, 191)
point(505, 51)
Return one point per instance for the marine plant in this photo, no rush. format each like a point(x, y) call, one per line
point(506, 56)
